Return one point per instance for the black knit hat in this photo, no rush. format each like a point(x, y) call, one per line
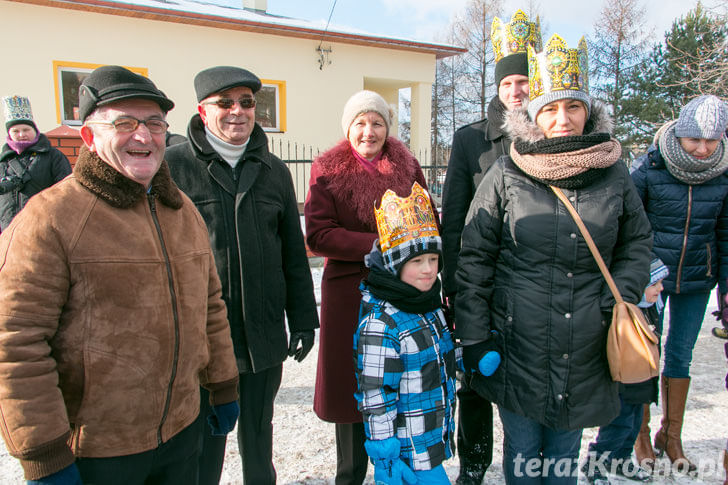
point(108, 84)
point(513, 64)
point(220, 78)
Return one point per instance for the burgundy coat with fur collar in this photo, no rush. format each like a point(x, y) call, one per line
point(340, 226)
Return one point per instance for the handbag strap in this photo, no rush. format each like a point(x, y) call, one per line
point(589, 242)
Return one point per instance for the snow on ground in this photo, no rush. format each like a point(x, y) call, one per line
point(304, 449)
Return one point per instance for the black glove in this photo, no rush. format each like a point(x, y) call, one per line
point(473, 354)
point(303, 337)
point(8, 184)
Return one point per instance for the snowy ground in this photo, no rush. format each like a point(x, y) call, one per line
point(304, 450)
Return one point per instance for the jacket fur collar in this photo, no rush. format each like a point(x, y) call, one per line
point(348, 180)
point(519, 126)
point(118, 191)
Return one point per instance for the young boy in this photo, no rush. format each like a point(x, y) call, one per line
point(405, 353)
point(612, 449)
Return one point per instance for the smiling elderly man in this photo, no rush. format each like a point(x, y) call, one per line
point(246, 196)
point(111, 314)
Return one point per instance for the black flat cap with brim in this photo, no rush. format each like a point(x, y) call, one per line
point(108, 84)
point(221, 78)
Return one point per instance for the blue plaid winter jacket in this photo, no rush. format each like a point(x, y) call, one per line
point(405, 370)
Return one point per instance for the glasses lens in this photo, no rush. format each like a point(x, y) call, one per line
point(156, 126)
point(225, 103)
point(126, 125)
point(247, 102)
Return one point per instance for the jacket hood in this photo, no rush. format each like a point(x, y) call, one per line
point(118, 191)
point(518, 124)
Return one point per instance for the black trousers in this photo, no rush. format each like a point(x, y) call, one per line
point(351, 457)
point(255, 431)
point(475, 433)
point(172, 463)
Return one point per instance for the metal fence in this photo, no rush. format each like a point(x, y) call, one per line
point(298, 157)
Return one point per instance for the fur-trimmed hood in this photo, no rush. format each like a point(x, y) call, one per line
point(348, 180)
point(519, 125)
point(118, 191)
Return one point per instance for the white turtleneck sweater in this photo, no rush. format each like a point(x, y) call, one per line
point(230, 153)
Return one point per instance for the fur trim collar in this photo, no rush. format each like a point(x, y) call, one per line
point(118, 191)
point(348, 180)
point(518, 124)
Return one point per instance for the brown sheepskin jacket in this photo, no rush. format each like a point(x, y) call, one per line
point(111, 318)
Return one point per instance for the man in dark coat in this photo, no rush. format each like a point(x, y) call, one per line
point(475, 147)
point(246, 197)
point(28, 162)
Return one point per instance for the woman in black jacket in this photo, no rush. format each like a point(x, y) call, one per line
point(528, 285)
point(28, 162)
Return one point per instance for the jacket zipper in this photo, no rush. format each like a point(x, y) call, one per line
point(685, 240)
point(153, 208)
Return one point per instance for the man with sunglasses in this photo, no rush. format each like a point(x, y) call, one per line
point(111, 316)
point(246, 196)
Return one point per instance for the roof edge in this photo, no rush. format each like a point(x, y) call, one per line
point(193, 18)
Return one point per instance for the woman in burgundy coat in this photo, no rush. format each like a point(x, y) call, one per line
point(345, 182)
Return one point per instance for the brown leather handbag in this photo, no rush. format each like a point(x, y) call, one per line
point(632, 345)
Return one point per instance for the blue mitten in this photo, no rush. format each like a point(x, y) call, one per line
point(489, 363)
point(67, 476)
point(436, 476)
point(388, 468)
point(223, 418)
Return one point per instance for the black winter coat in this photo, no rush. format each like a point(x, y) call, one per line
point(690, 223)
point(255, 232)
point(46, 166)
point(525, 271)
point(475, 148)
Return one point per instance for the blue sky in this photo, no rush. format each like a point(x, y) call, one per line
point(425, 19)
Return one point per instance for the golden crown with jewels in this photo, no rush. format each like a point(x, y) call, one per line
point(558, 68)
point(515, 36)
point(403, 219)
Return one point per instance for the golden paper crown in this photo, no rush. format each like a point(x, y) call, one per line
point(403, 219)
point(515, 36)
point(558, 68)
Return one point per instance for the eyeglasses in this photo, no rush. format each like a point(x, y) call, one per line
point(246, 102)
point(129, 124)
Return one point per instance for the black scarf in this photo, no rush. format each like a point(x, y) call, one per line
point(564, 144)
point(386, 286)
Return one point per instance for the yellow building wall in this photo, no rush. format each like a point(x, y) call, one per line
point(173, 53)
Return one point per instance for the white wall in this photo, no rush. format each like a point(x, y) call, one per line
point(173, 53)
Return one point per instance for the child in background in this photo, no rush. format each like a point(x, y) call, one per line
point(612, 449)
point(405, 353)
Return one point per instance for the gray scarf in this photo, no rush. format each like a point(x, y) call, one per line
point(685, 167)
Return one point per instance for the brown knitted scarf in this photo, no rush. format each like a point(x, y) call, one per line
point(559, 166)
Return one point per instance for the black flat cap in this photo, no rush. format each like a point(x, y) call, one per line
point(108, 84)
point(220, 78)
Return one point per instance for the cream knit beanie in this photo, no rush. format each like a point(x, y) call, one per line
point(364, 102)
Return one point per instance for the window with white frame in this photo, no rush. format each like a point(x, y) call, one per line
point(270, 106)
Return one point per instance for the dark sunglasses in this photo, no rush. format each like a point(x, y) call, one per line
point(246, 102)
